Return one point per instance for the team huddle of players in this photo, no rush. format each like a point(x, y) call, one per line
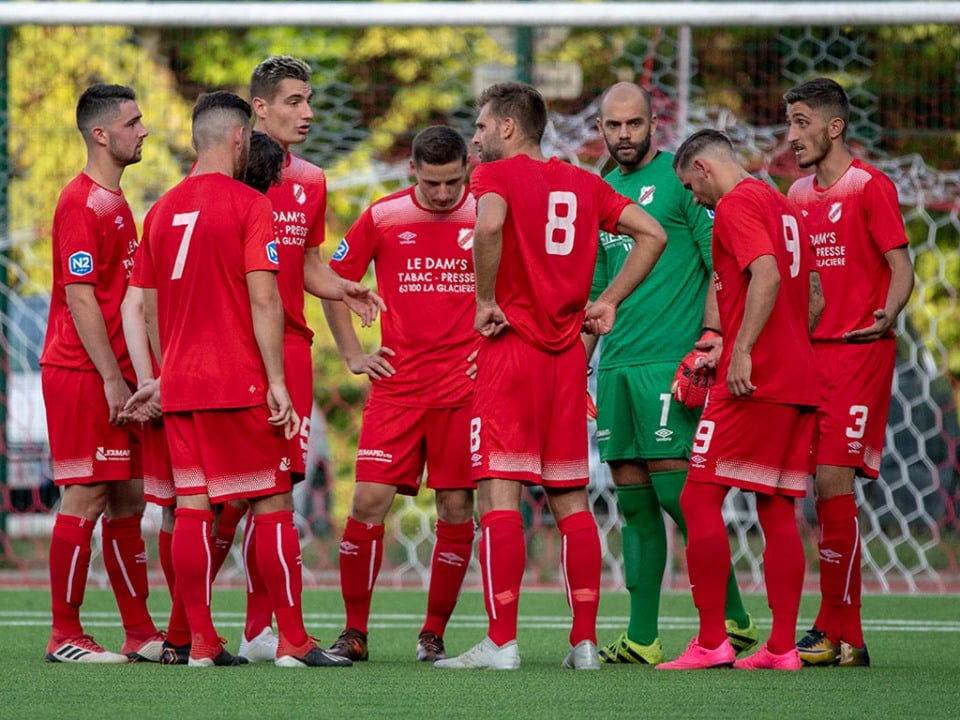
point(495, 293)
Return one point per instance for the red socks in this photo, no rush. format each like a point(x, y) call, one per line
point(277, 548)
point(503, 556)
point(451, 558)
point(193, 565)
point(840, 575)
point(125, 558)
point(581, 559)
point(708, 557)
point(259, 605)
point(783, 568)
point(230, 517)
point(361, 552)
point(69, 565)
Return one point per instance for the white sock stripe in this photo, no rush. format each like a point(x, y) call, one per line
point(566, 576)
point(205, 533)
point(72, 573)
point(372, 567)
point(247, 542)
point(488, 576)
point(852, 560)
point(283, 564)
point(123, 568)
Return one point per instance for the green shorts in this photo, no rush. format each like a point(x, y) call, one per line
point(638, 419)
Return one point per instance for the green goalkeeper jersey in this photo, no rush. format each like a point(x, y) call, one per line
point(662, 319)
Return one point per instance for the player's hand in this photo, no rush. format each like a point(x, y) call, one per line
point(282, 413)
point(363, 301)
point(375, 365)
point(490, 320)
point(591, 407)
point(738, 375)
point(693, 380)
point(882, 323)
point(472, 365)
point(116, 393)
point(710, 345)
point(599, 318)
point(144, 404)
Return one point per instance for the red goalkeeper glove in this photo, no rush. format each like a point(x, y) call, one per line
point(693, 379)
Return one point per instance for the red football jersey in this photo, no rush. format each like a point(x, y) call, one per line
point(550, 236)
point(199, 242)
point(424, 264)
point(852, 224)
point(299, 204)
point(94, 238)
point(752, 220)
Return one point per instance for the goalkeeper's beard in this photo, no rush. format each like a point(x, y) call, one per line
point(641, 149)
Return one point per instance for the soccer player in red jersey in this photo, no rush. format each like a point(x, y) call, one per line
point(853, 215)
point(418, 413)
point(208, 243)
point(87, 378)
point(280, 94)
point(756, 432)
point(535, 247)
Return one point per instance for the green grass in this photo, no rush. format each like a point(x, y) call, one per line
point(914, 643)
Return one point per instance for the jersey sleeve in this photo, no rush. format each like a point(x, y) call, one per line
point(600, 277)
point(611, 205)
point(700, 222)
point(740, 220)
point(259, 245)
point(318, 233)
point(354, 253)
point(485, 179)
point(77, 233)
point(882, 207)
point(143, 275)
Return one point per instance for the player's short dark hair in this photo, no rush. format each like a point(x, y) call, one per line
point(823, 95)
point(707, 139)
point(212, 105)
point(519, 101)
point(98, 101)
point(267, 76)
point(438, 145)
point(265, 163)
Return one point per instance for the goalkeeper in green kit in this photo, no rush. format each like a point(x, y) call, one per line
point(647, 416)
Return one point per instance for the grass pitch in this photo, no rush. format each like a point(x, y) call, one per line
point(914, 643)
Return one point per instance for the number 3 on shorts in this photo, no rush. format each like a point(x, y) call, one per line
point(703, 436)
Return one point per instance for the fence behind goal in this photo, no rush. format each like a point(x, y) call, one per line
point(374, 88)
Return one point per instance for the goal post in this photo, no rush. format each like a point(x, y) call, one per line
point(708, 64)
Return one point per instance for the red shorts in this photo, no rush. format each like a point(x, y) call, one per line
point(298, 373)
point(227, 454)
point(855, 382)
point(758, 446)
point(529, 414)
point(158, 486)
point(84, 447)
point(396, 442)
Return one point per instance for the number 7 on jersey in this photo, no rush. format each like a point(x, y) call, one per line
point(188, 221)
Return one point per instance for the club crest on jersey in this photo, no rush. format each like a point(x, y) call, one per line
point(272, 254)
point(342, 249)
point(646, 195)
point(465, 238)
point(836, 210)
point(299, 194)
point(80, 263)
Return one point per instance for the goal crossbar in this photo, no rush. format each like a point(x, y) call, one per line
point(485, 14)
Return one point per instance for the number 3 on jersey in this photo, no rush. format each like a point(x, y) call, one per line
point(561, 214)
point(188, 221)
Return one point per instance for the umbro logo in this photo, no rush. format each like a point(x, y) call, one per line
point(284, 464)
point(118, 221)
point(830, 556)
point(406, 238)
point(450, 558)
point(664, 433)
point(141, 558)
point(698, 461)
point(348, 548)
point(855, 446)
